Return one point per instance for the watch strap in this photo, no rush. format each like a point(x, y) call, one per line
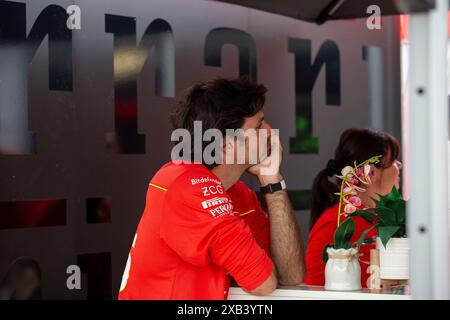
point(273, 187)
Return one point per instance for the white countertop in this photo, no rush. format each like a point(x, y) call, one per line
point(304, 292)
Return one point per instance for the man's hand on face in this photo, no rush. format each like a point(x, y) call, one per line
point(268, 169)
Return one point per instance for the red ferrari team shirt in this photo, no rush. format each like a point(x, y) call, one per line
point(194, 235)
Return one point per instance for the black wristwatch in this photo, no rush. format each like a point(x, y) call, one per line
point(273, 187)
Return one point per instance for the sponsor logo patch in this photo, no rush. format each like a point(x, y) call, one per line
point(204, 180)
point(218, 206)
point(222, 210)
point(214, 202)
point(212, 190)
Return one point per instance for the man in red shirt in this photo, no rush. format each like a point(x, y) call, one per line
point(202, 225)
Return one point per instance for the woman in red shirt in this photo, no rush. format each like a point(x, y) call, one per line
point(354, 145)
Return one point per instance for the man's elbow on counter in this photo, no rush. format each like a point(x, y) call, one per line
point(267, 287)
point(264, 291)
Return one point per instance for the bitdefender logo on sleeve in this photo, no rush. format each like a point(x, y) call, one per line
point(204, 180)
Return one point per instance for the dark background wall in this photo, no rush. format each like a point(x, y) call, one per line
point(84, 113)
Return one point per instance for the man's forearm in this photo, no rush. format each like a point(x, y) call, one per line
point(286, 244)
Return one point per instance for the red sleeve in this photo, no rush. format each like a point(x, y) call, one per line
point(260, 225)
point(200, 226)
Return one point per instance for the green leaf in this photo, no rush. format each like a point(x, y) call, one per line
point(380, 201)
point(363, 236)
point(377, 202)
point(343, 234)
point(394, 194)
point(386, 233)
point(401, 233)
point(384, 200)
point(399, 208)
point(387, 215)
point(325, 253)
point(366, 215)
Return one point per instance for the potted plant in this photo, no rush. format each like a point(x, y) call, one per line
point(389, 218)
point(342, 270)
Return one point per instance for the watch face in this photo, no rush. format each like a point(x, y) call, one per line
point(283, 184)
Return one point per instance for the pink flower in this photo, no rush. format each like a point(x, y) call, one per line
point(353, 179)
point(347, 170)
point(347, 173)
point(349, 208)
point(348, 190)
point(354, 188)
point(367, 169)
point(363, 174)
point(355, 201)
point(360, 172)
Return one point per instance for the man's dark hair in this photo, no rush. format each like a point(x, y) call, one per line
point(219, 104)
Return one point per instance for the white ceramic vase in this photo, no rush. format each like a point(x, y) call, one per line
point(342, 271)
point(394, 259)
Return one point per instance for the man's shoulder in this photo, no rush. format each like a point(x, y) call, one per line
point(184, 176)
point(198, 191)
point(173, 170)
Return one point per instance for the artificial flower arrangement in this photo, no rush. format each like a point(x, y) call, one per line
point(353, 178)
point(388, 217)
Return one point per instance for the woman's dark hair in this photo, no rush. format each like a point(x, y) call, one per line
point(354, 145)
point(219, 104)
